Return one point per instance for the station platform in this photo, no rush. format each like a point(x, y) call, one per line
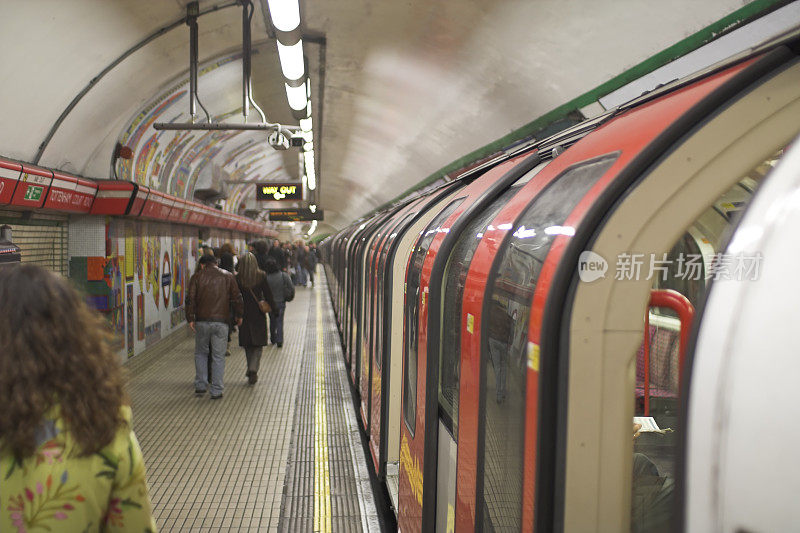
point(282, 455)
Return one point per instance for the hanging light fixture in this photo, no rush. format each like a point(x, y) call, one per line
point(291, 57)
point(296, 96)
point(285, 14)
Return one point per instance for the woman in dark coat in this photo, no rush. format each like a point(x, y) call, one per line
point(253, 332)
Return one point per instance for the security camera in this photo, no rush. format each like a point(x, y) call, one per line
point(278, 140)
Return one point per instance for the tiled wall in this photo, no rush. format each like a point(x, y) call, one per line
point(137, 273)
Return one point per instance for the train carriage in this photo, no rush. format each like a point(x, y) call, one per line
point(502, 335)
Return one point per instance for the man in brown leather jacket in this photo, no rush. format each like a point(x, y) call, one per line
point(212, 294)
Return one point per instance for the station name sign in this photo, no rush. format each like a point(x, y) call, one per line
point(279, 191)
point(294, 215)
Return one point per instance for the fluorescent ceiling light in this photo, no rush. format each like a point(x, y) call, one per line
point(296, 97)
point(285, 14)
point(311, 175)
point(308, 146)
point(291, 57)
point(313, 227)
point(305, 124)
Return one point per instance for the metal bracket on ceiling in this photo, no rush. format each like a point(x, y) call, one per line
point(192, 12)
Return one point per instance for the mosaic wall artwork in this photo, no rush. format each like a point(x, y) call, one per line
point(130, 254)
point(152, 333)
point(140, 286)
point(177, 317)
point(129, 319)
point(180, 261)
point(166, 279)
point(152, 266)
point(138, 253)
point(140, 317)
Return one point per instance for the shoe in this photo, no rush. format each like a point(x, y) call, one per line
point(280, 345)
point(252, 377)
point(199, 391)
point(217, 397)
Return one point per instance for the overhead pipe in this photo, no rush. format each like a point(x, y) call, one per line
point(247, 98)
point(220, 126)
point(246, 58)
point(192, 10)
point(247, 18)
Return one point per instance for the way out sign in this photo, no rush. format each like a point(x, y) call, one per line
point(279, 191)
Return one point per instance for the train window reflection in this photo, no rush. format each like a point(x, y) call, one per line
point(455, 277)
point(510, 290)
point(412, 313)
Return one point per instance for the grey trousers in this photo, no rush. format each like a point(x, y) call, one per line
point(215, 333)
point(253, 354)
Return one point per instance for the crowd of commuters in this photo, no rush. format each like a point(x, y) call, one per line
point(228, 292)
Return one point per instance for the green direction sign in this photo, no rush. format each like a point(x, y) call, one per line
point(34, 193)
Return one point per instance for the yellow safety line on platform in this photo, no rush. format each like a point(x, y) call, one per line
point(322, 488)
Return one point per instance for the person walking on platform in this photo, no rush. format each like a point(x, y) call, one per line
point(212, 292)
point(300, 262)
point(69, 457)
point(276, 254)
point(282, 291)
point(261, 253)
point(310, 263)
point(253, 332)
point(227, 261)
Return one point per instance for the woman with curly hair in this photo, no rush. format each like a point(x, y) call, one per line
point(69, 460)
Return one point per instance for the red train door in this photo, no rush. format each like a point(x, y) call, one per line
point(420, 434)
point(507, 446)
point(412, 428)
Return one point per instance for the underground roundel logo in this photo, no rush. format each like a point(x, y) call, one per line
point(166, 280)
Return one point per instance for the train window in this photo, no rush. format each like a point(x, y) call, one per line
point(395, 232)
point(412, 312)
point(455, 278)
point(692, 262)
point(504, 334)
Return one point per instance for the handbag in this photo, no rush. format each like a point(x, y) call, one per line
point(288, 288)
point(263, 305)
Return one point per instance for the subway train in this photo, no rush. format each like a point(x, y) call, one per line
point(585, 332)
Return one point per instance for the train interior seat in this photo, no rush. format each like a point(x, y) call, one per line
point(664, 341)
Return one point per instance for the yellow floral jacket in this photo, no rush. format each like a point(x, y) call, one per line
point(55, 490)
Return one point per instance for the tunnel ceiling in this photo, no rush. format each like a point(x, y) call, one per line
point(399, 89)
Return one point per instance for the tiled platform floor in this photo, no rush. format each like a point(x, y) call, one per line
point(221, 465)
